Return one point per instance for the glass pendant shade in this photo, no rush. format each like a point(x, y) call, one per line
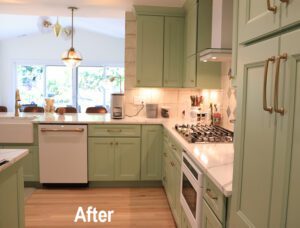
point(71, 58)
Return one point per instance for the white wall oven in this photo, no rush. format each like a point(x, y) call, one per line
point(191, 190)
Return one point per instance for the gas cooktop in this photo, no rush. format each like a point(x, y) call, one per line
point(197, 133)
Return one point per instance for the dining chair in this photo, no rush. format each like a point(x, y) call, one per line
point(66, 110)
point(3, 109)
point(98, 109)
point(34, 109)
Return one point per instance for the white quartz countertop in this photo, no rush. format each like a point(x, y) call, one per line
point(12, 156)
point(215, 160)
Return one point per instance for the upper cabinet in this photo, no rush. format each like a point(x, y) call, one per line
point(191, 12)
point(168, 42)
point(160, 50)
point(150, 55)
point(258, 18)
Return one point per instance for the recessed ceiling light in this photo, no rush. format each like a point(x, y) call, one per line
point(205, 61)
point(213, 57)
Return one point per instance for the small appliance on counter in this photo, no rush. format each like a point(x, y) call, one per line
point(165, 112)
point(117, 106)
point(151, 110)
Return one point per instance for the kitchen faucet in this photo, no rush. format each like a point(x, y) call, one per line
point(17, 105)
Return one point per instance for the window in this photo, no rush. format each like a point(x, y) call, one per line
point(96, 84)
point(83, 87)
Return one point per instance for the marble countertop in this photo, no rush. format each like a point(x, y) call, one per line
point(215, 160)
point(11, 155)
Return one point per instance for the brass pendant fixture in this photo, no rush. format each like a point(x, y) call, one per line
point(72, 58)
point(57, 28)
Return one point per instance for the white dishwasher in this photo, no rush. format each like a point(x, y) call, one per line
point(63, 153)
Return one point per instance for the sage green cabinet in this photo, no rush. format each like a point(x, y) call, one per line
point(291, 71)
point(191, 12)
point(263, 138)
point(173, 52)
point(160, 49)
point(30, 163)
point(101, 159)
point(172, 178)
point(257, 19)
point(12, 197)
point(114, 159)
point(150, 55)
point(189, 80)
point(184, 220)
point(151, 152)
point(209, 220)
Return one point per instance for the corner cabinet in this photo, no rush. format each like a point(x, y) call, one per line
point(160, 50)
point(267, 129)
point(262, 17)
point(151, 154)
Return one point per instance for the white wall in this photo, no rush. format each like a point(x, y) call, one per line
point(96, 49)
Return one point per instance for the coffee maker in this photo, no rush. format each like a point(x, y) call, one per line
point(117, 106)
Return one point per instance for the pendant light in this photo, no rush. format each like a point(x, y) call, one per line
point(71, 58)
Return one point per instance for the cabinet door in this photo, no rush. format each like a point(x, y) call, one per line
point(173, 51)
point(31, 162)
point(290, 13)
point(291, 72)
point(127, 160)
point(191, 10)
point(209, 220)
point(177, 181)
point(151, 159)
point(190, 72)
point(101, 158)
point(150, 46)
point(12, 197)
point(255, 19)
point(254, 138)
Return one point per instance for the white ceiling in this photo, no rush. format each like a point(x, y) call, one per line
point(20, 17)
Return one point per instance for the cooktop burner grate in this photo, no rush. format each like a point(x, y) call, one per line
point(196, 133)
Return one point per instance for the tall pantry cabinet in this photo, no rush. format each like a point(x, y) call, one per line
point(267, 148)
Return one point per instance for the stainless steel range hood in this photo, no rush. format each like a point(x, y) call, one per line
point(221, 37)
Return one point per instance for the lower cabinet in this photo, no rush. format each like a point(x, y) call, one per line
point(209, 220)
point(112, 159)
point(171, 181)
point(30, 163)
point(151, 153)
point(184, 220)
point(12, 197)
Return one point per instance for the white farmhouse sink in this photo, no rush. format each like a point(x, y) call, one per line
point(16, 130)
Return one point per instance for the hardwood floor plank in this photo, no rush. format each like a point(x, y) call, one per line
point(133, 207)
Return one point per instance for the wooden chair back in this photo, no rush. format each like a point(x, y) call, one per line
point(99, 109)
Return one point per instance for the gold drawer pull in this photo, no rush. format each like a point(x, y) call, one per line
point(165, 154)
point(114, 130)
point(172, 163)
point(276, 91)
point(209, 193)
point(285, 1)
point(265, 106)
point(271, 8)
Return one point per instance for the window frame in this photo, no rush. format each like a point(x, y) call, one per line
point(60, 64)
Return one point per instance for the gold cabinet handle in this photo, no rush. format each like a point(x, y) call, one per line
point(165, 154)
point(276, 90)
point(172, 164)
point(285, 1)
point(116, 143)
point(209, 193)
point(271, 8)
point(111, 143)
point(114, 130)
point(266, 107)
point(62, 130)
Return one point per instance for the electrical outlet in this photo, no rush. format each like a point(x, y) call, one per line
point(137, 100)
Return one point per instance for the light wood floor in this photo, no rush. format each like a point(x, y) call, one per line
point(133, 207)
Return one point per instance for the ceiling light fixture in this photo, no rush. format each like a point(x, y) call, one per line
point(71, 58)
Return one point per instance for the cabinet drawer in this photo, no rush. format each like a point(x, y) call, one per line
point(209, 220)
point(115, 130)
point(215, 199)
point(175, 148)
